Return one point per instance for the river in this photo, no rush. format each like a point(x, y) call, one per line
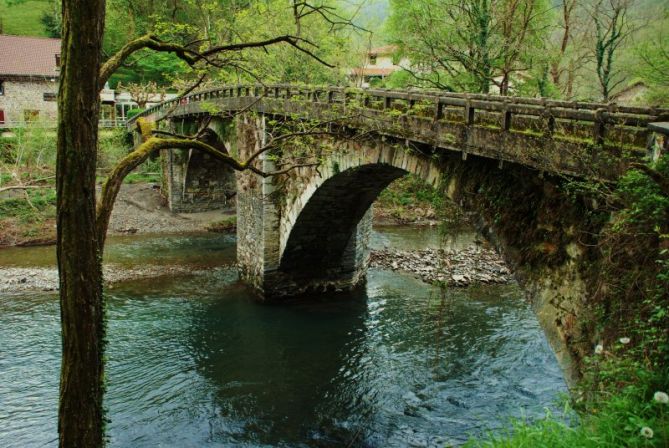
point(193, 361)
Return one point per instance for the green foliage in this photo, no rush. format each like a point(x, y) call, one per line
point(29, 148)
point(227, 224)
point(646, 204)
point(399, 80)
point(409, 199)
point(283, 63)
point(132, 112)
point(219, 23)
point(617, 404)
point(111, 148)
point(52, 19)
point(652, 62)
point(42, 202)
point(467, 45)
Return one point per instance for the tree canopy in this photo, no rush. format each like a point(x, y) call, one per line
point(571, 49)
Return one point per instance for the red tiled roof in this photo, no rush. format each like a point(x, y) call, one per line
point(372, 71)
point(28, 56)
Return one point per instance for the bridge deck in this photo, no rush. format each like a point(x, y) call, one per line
point(591, 139)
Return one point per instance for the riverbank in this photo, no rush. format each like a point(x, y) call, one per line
point(27, 217)
point(139, 209)
point(471, 265)
point(459, 268)
point(15, 280)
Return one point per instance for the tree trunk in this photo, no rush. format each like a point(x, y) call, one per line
point(80, 413)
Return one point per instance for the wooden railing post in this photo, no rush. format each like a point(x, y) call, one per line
point(387, 102)
point(599, 128)
point(549, 122)
point(469, 112)
point(438, 110)
point(506, 117)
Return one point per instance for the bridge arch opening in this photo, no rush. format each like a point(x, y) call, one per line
point(325, 228)
point(329, 236)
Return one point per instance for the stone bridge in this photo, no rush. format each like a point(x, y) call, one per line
point(505, 160)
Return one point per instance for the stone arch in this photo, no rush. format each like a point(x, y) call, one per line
point(546, 234)
point(381, 156)
point(197, 181)
point(340, 193)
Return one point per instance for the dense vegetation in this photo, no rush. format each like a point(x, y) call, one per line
point(28, 158)
point(591, 49)
point(588, 50)
point(622, 397)
point(186, 21)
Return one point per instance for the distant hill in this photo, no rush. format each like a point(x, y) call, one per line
point(22, 17)
point(375, 11)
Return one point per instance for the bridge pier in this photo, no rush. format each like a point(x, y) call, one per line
point(265, 224)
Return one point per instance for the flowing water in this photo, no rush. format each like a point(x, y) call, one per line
point(193, 361)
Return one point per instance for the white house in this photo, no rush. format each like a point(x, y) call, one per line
point(379, 63)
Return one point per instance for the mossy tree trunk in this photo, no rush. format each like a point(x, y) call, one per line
point(80, 414)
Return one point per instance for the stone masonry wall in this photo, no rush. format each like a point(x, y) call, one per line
point(20, 96)
point(541, 232)
point(544, 234)
point(317, 220)
point(250, 206)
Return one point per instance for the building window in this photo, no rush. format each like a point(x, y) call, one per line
point(49, 96)
point(2, 116)
point(30, 115)
point(372, 59)
point(57, 61)
point(2, 87)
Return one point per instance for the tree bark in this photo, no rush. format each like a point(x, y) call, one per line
point(80, 413)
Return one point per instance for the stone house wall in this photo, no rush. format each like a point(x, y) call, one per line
point(20, 96)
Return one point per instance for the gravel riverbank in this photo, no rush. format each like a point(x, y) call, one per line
point(46, 279)
point(472, 265)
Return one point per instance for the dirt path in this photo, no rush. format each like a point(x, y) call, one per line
point(141, 209)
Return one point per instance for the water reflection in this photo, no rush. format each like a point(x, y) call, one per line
point(194, 361)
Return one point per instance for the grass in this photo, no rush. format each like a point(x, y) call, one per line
point(28, 217)
point(23, 18)
point(41, 200)
point(225, 225)
point(611, 420)
point(408, 199)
